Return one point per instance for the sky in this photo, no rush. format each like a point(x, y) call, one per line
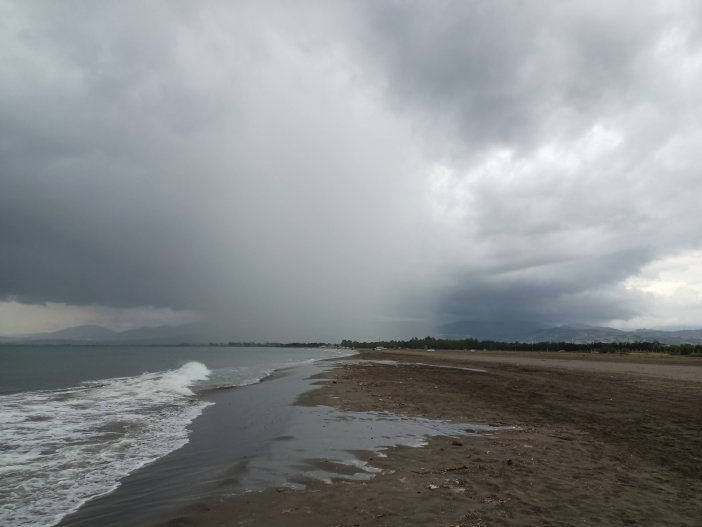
point(350, 169)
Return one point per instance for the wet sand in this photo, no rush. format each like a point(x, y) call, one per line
point(596, 440)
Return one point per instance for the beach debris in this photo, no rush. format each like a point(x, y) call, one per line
point(454, 485)
point(494, 499)
point(509, 461)
point(457, 442)
point(440, 471)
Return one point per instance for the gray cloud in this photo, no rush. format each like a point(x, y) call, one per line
point(320, 171)
point(567, 132)
point(500, 73)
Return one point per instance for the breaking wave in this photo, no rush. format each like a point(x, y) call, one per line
point(60, 448)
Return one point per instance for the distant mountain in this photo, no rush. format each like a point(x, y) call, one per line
point(87, 333)
point(575, 333)
point(684, 336)
point(199, 333)
point(184, 334)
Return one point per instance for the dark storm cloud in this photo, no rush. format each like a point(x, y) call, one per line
point(583, 290)
point(346, 169)
point(195, 157)
point(83, 213)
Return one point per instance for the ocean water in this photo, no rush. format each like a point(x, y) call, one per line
point(76, 422)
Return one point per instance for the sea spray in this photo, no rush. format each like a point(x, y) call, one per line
point(60, 448)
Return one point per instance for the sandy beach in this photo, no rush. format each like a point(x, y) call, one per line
point(587, 440)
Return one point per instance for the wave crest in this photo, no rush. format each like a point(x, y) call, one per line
point(51, 438)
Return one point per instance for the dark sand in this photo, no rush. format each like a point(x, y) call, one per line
point(601, 440)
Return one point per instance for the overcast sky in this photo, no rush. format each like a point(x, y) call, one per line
point(322, 170)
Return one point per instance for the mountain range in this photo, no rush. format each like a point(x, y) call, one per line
point(574, 333)
point(91, 334)
point(200, 334)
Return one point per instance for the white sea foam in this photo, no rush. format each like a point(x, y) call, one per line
point(60, 448)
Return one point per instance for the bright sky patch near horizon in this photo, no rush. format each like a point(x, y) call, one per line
point(322, 170)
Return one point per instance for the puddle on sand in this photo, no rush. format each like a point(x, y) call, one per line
point(321, 443)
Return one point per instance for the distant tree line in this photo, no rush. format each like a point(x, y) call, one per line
point(302, 345)
point(244, 344)
point(475, 344)
point(268, 344)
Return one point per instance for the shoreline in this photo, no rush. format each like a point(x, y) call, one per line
point(236, 426)
point(596, 441)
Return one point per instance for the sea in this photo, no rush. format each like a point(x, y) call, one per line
point(74, 421)
point(116, 436)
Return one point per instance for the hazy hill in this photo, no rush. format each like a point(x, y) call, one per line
point(201, 334)
point(82, 333)
point(185, 334)
point(576, 333)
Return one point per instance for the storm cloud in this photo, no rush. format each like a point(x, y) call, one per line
point(324, 170)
